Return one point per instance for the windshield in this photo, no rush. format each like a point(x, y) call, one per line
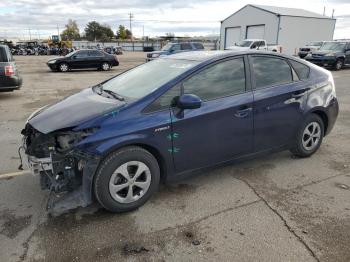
point(71, 53)
point(167, 47)
point(144, 79)
point(333, 46)
point(244, 43)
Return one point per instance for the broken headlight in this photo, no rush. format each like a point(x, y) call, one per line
point(67, 139)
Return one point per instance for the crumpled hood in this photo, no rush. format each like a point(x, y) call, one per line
point(72, 111)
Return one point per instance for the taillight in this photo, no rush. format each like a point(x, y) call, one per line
point(9, 71)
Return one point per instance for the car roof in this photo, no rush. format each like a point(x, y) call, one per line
point(202, 56)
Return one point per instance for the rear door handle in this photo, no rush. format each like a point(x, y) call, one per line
point(244, 112)
point(300, 93)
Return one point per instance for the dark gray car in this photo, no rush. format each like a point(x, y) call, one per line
point(9, 77)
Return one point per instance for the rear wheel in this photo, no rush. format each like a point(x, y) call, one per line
point(63, 67)
point(309, 137)
point(126, 179)
point(105, 66)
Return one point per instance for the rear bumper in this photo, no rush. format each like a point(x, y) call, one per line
point(10, 83)
point(332, 113)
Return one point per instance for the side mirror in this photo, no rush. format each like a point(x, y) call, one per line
point(253, 47)
point(189, 101)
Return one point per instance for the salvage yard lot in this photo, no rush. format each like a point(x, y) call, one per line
point(276, 208)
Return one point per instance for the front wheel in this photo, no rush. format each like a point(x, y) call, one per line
point(339, 64)
point(126, 179)
point(63, 67)
point(105, 66)
point(309, 137)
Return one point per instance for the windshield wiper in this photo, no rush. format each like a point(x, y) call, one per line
point(100, 91)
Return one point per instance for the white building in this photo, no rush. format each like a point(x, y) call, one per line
point(289, 27)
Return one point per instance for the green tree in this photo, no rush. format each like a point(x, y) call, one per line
point(95, 31)
point(128, 34)
point(71, 31)
point(121, 33)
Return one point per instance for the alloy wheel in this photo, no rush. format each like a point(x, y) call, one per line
point(339, 65)
point(129, 182)
point(64, 67)
point(105, 66)
point(311, 136)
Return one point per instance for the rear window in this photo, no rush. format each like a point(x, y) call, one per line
point(198, 46)
point(302, 70)
point(5, 55)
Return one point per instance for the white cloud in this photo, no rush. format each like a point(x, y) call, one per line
point(156, 16)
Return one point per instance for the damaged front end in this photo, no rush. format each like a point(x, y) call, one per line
point(63, 169)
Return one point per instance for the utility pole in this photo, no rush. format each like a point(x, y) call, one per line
point(131, 16)
point(58, 33)
point(143, 32)
point(324, 10)
point(333, 13)
point(30, 35)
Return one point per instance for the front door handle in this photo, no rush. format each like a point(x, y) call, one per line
point(242, 113)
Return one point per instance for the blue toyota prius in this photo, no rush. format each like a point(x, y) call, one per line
point(118, 140)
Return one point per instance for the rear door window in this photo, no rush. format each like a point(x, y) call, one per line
point(95, 53)
point(271, 71)
point(302, 70)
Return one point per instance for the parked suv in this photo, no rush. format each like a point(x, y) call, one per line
point(9, 77)
point(334, 54)
point(309, 48)
point(173, 48)
point(173, 116)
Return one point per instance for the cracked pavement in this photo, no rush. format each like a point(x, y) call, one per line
point(275, 208)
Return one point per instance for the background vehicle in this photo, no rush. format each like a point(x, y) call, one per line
point(9, 77)
point(308, 48)
point(83, 59)
point(132, 131)
point(334, 54)
point(174, 48)
point(255, 44)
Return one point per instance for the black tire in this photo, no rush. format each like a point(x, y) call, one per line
point(63, 67)
point(299, 149)
point(105, 66)
point(339, 64)
point(108, 167)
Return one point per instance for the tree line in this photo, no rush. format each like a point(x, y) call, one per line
point(94, 31)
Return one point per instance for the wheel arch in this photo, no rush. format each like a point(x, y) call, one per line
point(323, 115)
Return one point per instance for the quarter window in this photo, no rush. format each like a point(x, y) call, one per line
point(271, 71)
point(302, 70)
point(165, 100)
point(220, 80)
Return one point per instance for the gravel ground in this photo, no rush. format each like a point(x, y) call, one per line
point(275, 208)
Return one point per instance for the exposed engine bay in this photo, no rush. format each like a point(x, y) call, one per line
point(60, 166)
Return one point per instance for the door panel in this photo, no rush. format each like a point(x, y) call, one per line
point(218, 131)
point(278, 102)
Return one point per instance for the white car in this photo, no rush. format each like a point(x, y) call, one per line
point(257, 44)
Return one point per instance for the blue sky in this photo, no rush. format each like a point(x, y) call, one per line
point(153, 17)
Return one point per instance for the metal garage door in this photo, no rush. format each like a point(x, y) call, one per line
point(255, 32)
point(232, 36)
